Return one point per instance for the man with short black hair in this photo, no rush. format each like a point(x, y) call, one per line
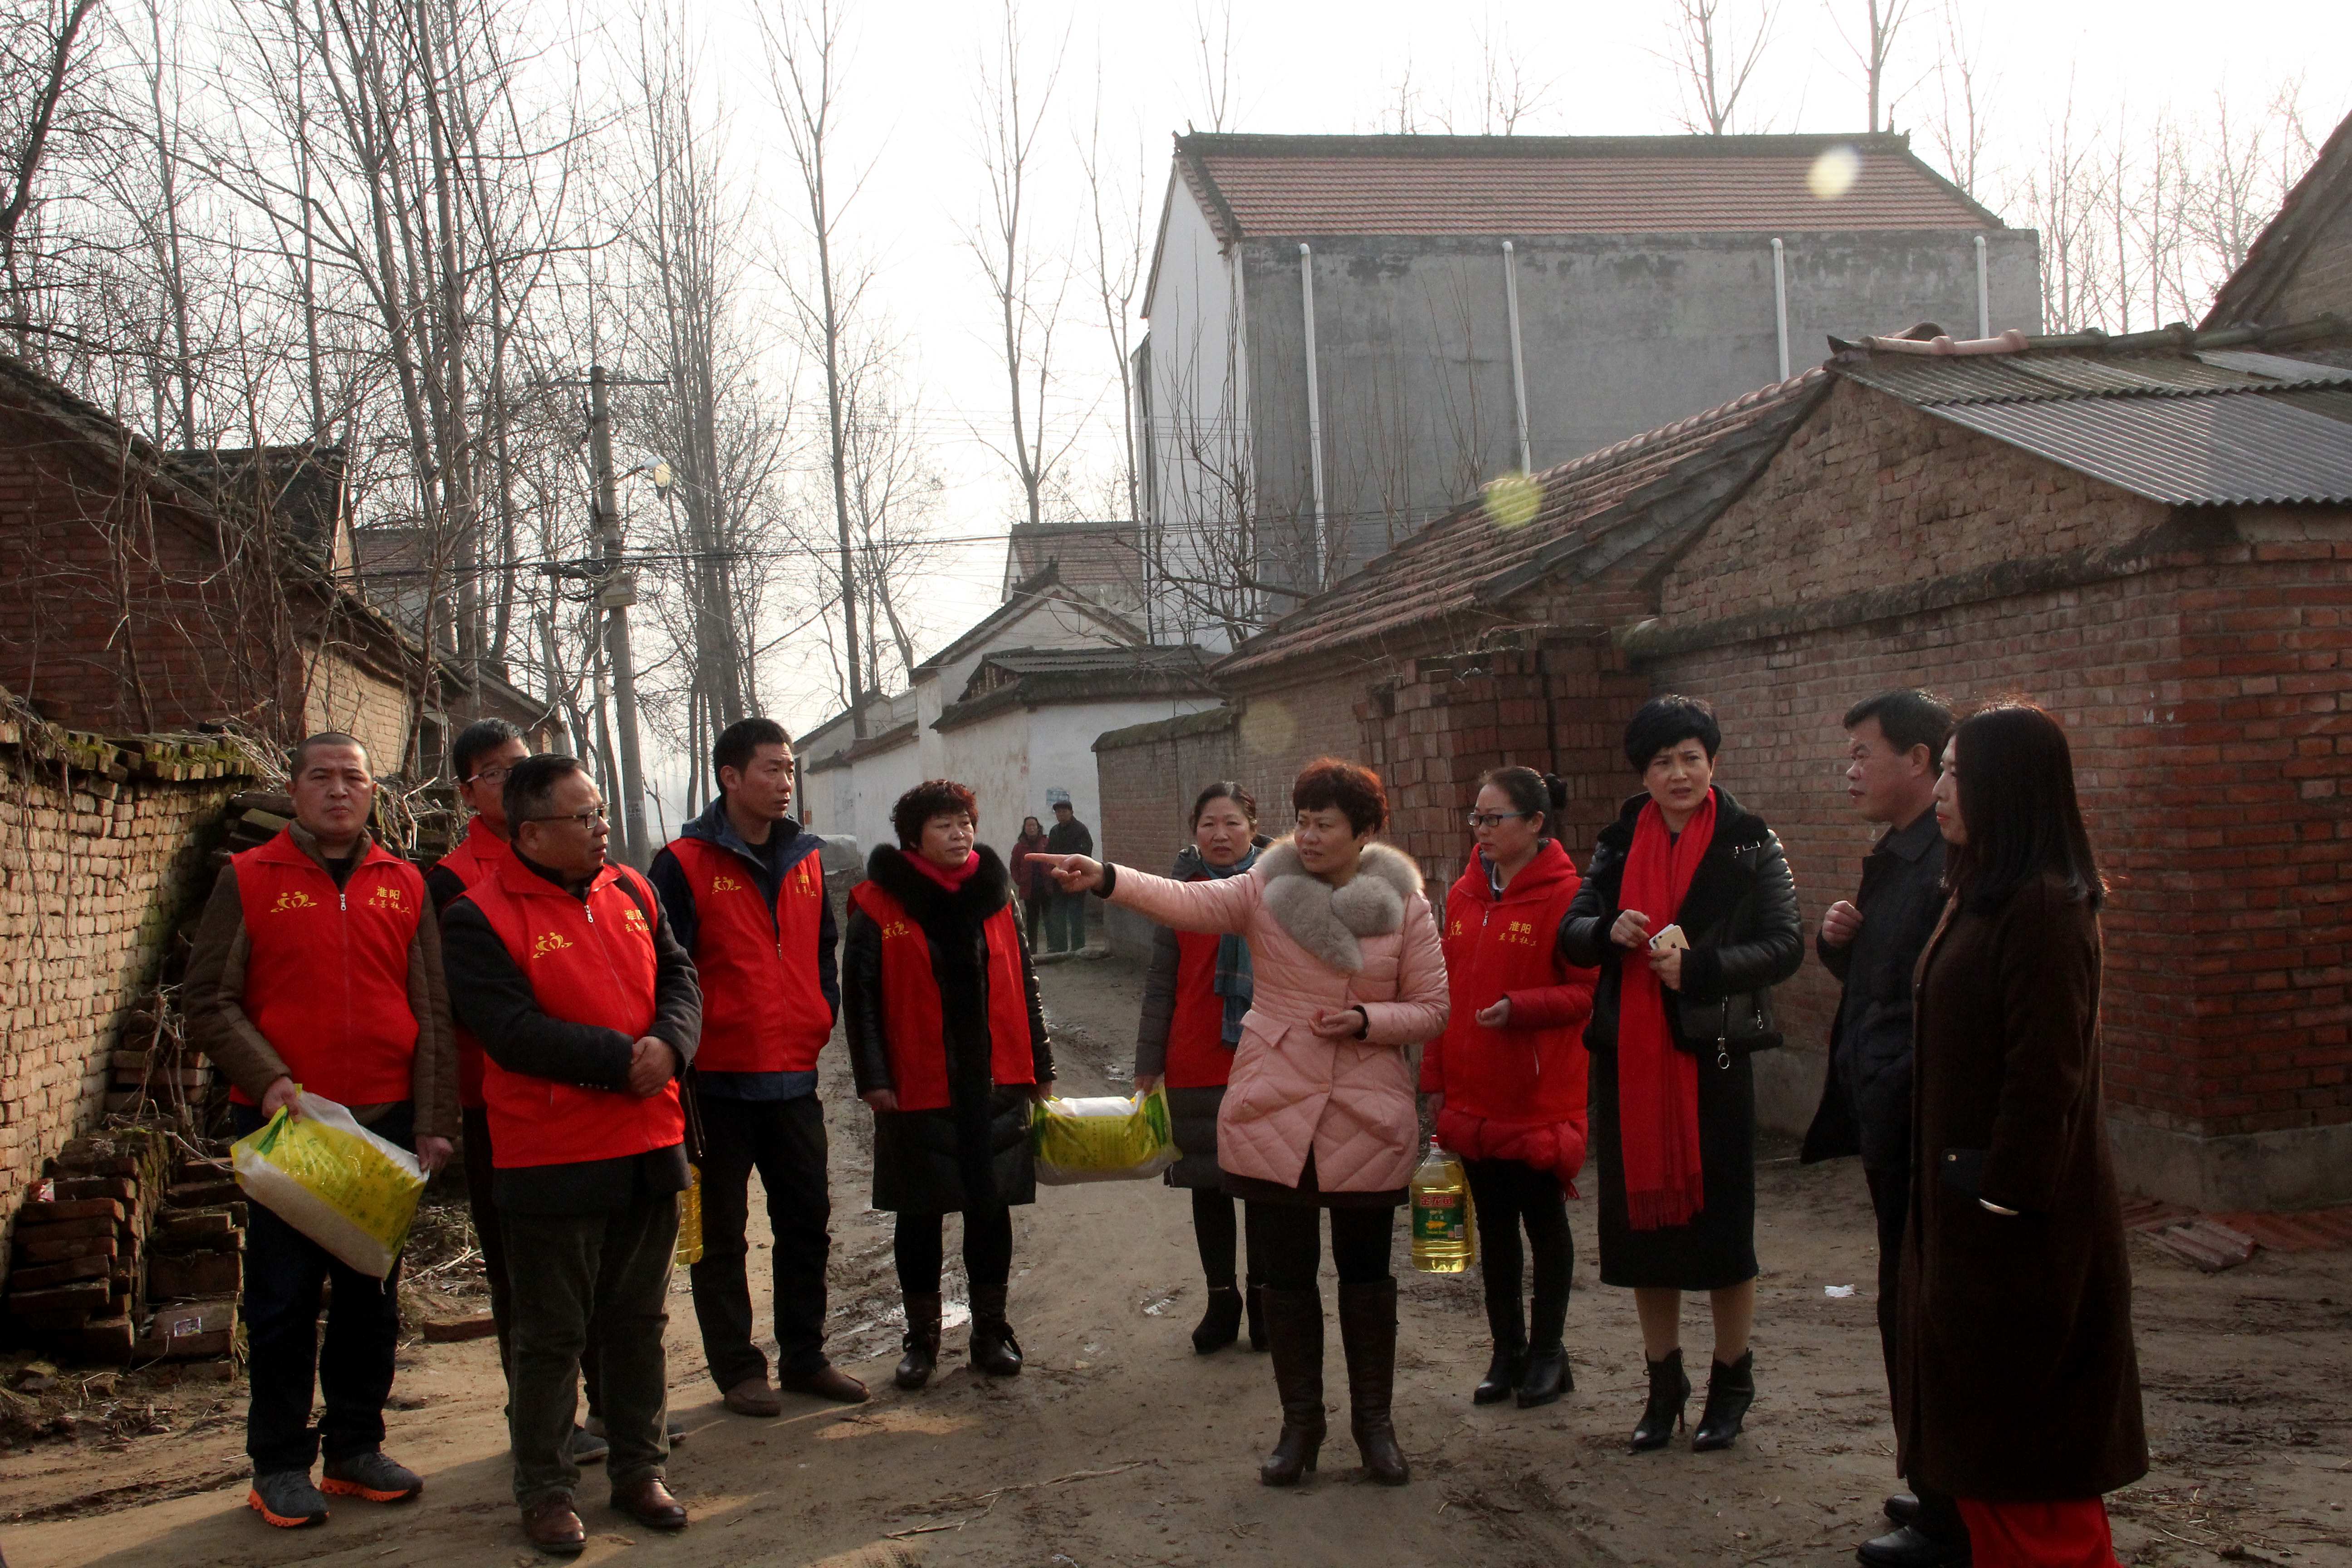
point(588, 1011)
point(744, 890)
point(1894, 748)
point(315, 971)
point(1066, 918)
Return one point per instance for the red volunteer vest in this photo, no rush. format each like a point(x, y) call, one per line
point(588, 962)
point(327, 983)
point(1491, 949)
point(914, 1024)
point(1197, 1056)
point(474, 858)
point(762, 1009)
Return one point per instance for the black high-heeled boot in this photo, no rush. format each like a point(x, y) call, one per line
point(922, 1343)
point(1669, 1392)
point(1503, 1371)
point(1730, 1390)
point(1368, 1330)
point(994, 1351)
point(1294, 1324)
point(1546, 1377)
point(1221, 1321)
point(1254, 1297)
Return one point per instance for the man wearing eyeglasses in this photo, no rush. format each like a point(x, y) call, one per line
point(588, 1011)
point(315, 971)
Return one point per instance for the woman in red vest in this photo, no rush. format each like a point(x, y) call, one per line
point(1194, 999)
point(948, 1043)
point(1506, 1078)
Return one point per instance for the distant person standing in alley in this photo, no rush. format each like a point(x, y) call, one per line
point(744, 892)
point(316, 970)
point(1689, 910)
point(1036, 888)
point(1895, 752)
point(588, 1010)
point(2016, 1382)
point(1066, 921)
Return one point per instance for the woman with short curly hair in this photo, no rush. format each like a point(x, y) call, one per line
point(1318, 1110)
point(948, 1044)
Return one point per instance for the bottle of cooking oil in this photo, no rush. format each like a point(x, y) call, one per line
point(690, 1218)
point(1445, 1236)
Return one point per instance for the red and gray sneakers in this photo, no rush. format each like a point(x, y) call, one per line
point(373, 1477)
point(287, 1500)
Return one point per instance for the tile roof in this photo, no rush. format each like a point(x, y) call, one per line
point(1586, 516)
point(1019, 600)
point(2250, 294)
point(2190, 419)
point(1526, 185)
point(1031, 678)
point(1092, 556)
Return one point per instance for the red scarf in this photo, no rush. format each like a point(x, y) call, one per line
point(953, 881)
point(1657, 1083)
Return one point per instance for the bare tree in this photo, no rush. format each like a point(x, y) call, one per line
point(1872, 49)
point(1117, 204)
point(1028, 282)
point(1716, 60)
point(1214, 47)
point(40, 49)
point(1962, 89)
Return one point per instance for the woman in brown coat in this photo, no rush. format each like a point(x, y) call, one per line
point(2016, 1389)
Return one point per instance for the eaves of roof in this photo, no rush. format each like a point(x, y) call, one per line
point(889, 740)
point(1207, 722)
point(2251, 293)
point(1050, 689)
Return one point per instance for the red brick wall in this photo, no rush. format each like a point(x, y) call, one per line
point(1146, 786)
point(2323, 280)
point(2206, 695)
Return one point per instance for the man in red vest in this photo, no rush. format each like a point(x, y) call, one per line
point(744, 891)
point(315, 970)
point(588, 1011)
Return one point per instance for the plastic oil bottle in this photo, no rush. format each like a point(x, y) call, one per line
point(1444, 1234)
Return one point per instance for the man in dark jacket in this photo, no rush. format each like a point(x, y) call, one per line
point(1895, 752)
point(744, 891)
point(1066, 918)
point(323, 900)
point(588, 1011)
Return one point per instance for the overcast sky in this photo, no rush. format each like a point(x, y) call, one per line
point(911, 100)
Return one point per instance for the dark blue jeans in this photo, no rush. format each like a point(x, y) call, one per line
point(283, 1272)
point(1065, 923)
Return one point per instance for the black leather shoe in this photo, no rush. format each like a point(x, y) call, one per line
point(1545, 1379)
point(1669, 1392)
point(1902, 1508)
point(922, 1343)
point(1503, 1374)
point(1730, 1390)
point(1221, 1321)
point(1911, 1547)
point(994, 1349)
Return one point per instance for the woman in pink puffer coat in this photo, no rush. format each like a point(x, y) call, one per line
point(1319, 1110)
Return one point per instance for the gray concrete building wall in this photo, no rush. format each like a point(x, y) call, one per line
point(1619, 334)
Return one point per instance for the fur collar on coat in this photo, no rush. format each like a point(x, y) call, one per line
point(932, 907)
point(1328, 920)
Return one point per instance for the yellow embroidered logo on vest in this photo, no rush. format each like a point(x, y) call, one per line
point(549, 941)
point(388, 898)
point(635, 920)
point(296, 900)
point(805, 877)
point(723, 883)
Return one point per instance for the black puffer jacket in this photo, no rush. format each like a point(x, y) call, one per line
point(1740, 915)
point(935, 1162)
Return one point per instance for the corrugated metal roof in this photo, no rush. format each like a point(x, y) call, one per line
point(1934, 380)
point(2226, 450)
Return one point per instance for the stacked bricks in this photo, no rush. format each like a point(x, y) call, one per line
point(195, 1270)
point(78, 1274)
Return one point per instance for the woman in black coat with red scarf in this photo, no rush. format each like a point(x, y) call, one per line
point(947, 1040)
point(2016, 1383)
point(1689, 911)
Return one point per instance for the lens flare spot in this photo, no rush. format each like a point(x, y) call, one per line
point(1268, 726)
point(1513, 501)
point(1834, 172)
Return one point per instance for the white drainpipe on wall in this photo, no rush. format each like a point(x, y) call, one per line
point(1984, 293)
point(1519, 360)
point(1780, 301)
point(1314, 409)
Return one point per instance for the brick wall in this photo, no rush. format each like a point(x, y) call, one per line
point(92, 874)
point(1147, 776)
point(2204, 675)
point(2323, 280)
point(342, 696)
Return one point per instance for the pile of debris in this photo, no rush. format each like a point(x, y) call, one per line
point(155, 1071)
point(132, 1250)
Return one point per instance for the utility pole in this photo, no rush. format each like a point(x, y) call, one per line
point(615, 592)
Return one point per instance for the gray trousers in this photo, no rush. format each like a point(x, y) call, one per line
point(567, 1271)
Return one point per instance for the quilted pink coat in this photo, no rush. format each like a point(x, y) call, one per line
point(1372, 943)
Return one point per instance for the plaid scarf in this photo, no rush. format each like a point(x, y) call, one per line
point(1233, 981)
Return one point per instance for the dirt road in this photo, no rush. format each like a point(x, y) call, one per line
point(1119, 1446)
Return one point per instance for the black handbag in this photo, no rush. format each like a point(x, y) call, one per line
point(1737, 1025)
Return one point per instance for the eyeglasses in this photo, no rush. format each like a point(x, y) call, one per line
point(487, 776)
point(585, 818)
point(1495, 818)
